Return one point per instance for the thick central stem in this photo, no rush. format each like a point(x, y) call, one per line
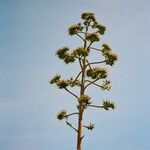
point(79, 136)
point(81, 108)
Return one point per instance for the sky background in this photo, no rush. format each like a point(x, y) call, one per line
point(30, 32)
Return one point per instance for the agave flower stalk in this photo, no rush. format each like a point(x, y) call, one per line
point(91, 73)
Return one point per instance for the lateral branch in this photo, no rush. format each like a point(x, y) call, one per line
point(77, 76)
point(95, 49)
point(98, 62)
point(71, 93)
point(96, 106)
point(80, 37)
point(75, 113)
point(70, 125)
point(94, 83)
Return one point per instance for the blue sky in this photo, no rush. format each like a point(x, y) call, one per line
point(30, 32)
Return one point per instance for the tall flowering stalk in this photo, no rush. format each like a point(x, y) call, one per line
point(90, 73)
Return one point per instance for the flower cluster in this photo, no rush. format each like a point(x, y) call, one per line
point(97, 72)
point(106, 85)
point(73, 82)
point(88, 16)
point(80, 51)
point(63, 54)
point(110, 57)
point(69, 58)
point(90, 20)
point(62, 115)
point(74, 29)
point(101, 29)
point(108, 104)
point(62, 84)
point(84, 99)
point(90, 126)
point(92, 37)
point(55, 79)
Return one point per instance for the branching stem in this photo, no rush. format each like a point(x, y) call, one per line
point(95, 49)
point(88, 64)
point(92, 82)
point(81, 32)
point(72, 114)
point(77, 76)
point(70, 125)
point(80, 37)
point(89, 45)
point(71, 93)
point(95, 106)
point(80, 62)
point(98, 62)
